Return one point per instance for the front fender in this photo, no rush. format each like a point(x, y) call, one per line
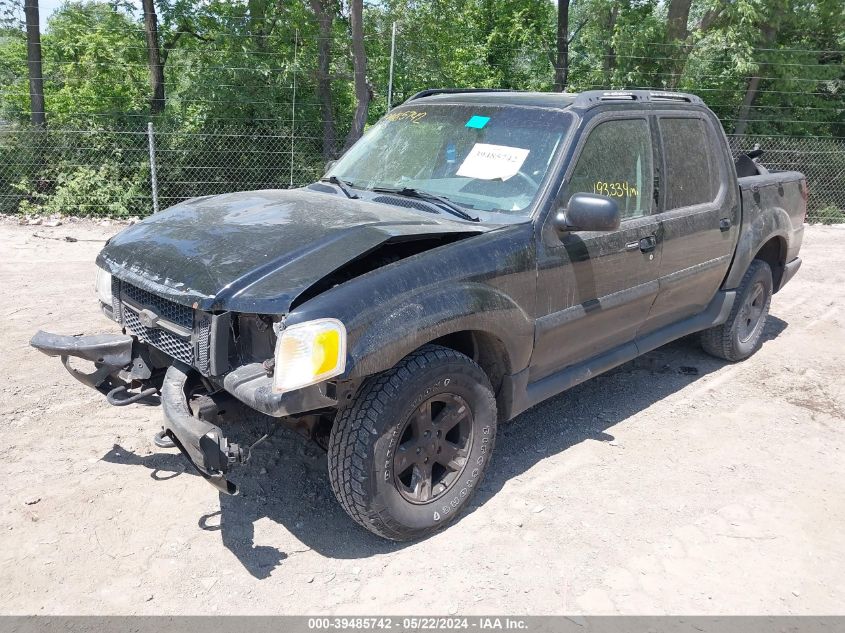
point(484, 284)
point(378, 340)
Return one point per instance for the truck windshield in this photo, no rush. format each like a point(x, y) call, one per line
point(486, 158)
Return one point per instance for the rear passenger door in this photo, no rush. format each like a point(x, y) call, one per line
point(594, 289)
point(699, 216)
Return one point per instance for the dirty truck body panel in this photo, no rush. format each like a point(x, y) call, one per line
point(255, 251)
point(213, 285)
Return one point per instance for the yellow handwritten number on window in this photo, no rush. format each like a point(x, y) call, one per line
point(615, 189)
point(406, 115)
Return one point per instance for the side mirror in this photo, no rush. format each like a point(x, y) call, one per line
point(588, 212)
point(329, 165)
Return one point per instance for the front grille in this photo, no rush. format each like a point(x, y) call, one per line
point(178, 346)
point(167, 310)
point(168, 342)
point(203, 342)
point(116, 309)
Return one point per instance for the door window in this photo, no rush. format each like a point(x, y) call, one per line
point(616, 161)
point(691, 177)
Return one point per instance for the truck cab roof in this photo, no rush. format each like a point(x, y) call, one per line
point(554, 100)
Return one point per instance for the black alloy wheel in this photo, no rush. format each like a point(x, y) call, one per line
point(433, 448)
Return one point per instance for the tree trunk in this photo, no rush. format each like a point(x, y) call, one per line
point(359, 64)
point(753, 89)
point(324, 80)
point(562, 59)
point(608, 61)
point(258, 24)
point(751, 93)
point(154, 58)
point(677, 20)
point(33, 56)
point(679, 35)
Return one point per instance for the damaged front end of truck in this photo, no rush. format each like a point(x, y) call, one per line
point(185, 356)
point(201, 293)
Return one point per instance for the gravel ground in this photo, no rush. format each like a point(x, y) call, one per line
point(674, 484)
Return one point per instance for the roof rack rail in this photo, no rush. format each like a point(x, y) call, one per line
point(618, 95)
point(672, 96)
point(594, 97)
point(448, 91)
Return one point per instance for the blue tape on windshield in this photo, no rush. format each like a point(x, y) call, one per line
point(477, 121)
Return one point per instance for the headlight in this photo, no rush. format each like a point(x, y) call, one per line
point(103, 286)
point(308, 353)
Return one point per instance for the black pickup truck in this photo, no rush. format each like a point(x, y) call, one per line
point(475, 253)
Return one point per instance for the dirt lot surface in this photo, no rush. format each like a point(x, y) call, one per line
point(674, 484)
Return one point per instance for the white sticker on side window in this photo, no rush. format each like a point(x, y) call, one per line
point(489, 162)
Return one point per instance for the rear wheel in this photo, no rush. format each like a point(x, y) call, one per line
point(739, 337)
point(406, 456)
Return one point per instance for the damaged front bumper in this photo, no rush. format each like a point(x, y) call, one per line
point(128, 370)
point(110, 353)
point(201, 442)
point(121, 363)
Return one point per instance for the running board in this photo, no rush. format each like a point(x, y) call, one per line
point(715, 314)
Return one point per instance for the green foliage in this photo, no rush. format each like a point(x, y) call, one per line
point(94, 64)
point(241, 81)
point(100, 171)
point(14, 95)
point(106, 190)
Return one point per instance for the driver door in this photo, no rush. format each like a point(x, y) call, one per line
point(595, 289)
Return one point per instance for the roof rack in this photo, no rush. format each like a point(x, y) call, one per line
point(594, 97)
point(586, 99)
point(673, 96)
point(450, 91)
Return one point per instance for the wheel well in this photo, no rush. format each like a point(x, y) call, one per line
point(773, 253)
point(485, 349)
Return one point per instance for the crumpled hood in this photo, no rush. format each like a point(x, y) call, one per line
point(256, 251)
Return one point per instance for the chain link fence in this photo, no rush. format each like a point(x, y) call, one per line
point(105, 171)
point(820, 159)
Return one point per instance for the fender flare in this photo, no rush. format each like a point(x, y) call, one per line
point(774, 223)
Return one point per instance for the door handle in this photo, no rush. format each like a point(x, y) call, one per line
point(648, 243)
point(632, 246)
point(724, 224)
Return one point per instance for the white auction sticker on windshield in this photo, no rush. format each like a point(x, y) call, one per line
point(489, 162)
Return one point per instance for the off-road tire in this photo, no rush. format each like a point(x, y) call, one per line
point(729, 340)
point(364, 448)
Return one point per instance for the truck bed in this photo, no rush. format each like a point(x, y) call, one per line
point(773, 202)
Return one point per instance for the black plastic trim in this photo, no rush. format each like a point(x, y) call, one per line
point(112, 350)
point(789, 271)
point(251, 385)
point(202, 443)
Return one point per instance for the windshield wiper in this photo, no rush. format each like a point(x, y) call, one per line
point(343, 186)
point(410, 192)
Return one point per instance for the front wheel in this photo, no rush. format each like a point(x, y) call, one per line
point(407, 455)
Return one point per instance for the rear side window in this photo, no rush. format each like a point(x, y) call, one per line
point(616, 161)
point(691, 176)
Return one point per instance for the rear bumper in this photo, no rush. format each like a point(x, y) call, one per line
point(789, 271)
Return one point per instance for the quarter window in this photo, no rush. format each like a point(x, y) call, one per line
point(690, 177)
point(616, 161)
